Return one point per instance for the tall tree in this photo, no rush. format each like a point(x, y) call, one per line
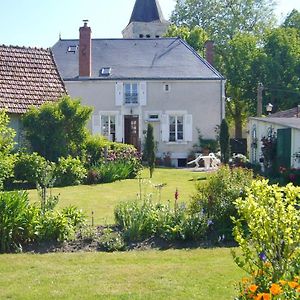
point(58, 129)
point(293, 20)
point(239, 65)
point(281, 68)
point(195, 37)
point(223, 19)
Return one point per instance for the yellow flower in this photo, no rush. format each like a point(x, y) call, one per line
point(245, 280)
point(296, 278)
point(292, 284)
point(282, 282)
point(298, 289)
point(275, 289)
point(253, 288)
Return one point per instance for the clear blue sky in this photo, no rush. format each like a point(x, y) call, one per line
point(37, 23)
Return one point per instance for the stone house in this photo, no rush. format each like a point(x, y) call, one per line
point(143, 78)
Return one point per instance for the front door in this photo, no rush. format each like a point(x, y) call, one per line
point(132, 130)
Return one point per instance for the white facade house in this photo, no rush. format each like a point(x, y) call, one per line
point(133, 81)
point(287, 131)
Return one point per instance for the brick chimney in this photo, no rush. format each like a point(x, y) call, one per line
point(209, 51)
point(85, 50)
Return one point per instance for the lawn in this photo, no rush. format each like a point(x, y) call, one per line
point(172, 274)
point(102, 198)
point(152, 274)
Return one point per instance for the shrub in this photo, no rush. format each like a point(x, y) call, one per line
point(69, 171)
point(143, 220)
point(149, 151)
point(17, 220)
point(74, 215)
point(267, 231)
point(215, 198)
point(95, 147)
point(110, 241)
point(224, 142)
point(29, 167)
point(6, 168)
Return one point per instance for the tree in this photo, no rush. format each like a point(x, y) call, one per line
point(239, 65)
point(57, 129)
point(195, 37)
point(280, 66)
point(224, 142)
point(223, 19)
point(292, 20)
point(149, 150)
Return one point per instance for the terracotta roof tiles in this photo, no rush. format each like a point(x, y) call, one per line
point(28, 77)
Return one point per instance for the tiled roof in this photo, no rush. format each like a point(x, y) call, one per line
point(28, 77)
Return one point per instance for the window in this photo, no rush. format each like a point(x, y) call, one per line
point(105, 71)
point(131, 93)
point(141, 36)
point(166, 87)
point(72, 48)
point(176, 128)
point(108, 127)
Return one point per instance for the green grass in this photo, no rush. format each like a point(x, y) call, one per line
point(172, 274)
point(103, 198)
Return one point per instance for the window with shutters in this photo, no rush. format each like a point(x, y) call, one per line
point(108, 126)
point(130, 93)
point(175, 128)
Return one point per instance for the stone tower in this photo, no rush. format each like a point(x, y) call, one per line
point(146, 21)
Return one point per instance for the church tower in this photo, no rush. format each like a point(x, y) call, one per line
point(146, 21)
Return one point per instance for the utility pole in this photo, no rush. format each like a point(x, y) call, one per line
point(260, 89)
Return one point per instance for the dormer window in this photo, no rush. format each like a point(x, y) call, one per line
point(72, 49)
point(141, 36)
point(105, 71)
point(148, 36)
point(131, 93)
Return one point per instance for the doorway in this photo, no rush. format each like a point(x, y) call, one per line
point(132, 130)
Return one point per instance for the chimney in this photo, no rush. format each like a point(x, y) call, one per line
point(85, 50)
point(209, 51)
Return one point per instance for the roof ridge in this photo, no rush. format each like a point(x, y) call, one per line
point(24, 47)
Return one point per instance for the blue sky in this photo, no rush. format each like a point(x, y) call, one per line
point(38, 23)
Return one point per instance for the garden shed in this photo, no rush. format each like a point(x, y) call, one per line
point(287, 133)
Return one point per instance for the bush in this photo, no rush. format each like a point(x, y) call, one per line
point(17, 220)
point(267, 231)
point(6, 168)
point(215, 199)
point(143, 220)
point(110, 241)
point(29, 167)
point(69, 171)
point(95, 148)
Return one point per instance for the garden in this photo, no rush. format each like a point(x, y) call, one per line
point(88, 221)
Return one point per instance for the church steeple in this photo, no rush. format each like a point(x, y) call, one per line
point(146, 21)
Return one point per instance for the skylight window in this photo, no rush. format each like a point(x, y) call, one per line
point(72, 48)
point(105, 71)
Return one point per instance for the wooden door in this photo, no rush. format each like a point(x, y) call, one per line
point(132, 130)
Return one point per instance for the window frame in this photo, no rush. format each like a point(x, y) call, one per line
point(131, 95)
point(111, 134)
point(176, 132)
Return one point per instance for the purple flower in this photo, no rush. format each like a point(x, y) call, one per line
point(262, 256)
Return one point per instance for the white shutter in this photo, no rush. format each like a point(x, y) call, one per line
point(165, 128)
point(119, 128)
point(96, 124)
point(119, 93)
point(188, 128)
point(143, 93)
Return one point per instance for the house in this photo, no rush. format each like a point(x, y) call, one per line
point(143, 78)
point(287, 131)
point(28, 77)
